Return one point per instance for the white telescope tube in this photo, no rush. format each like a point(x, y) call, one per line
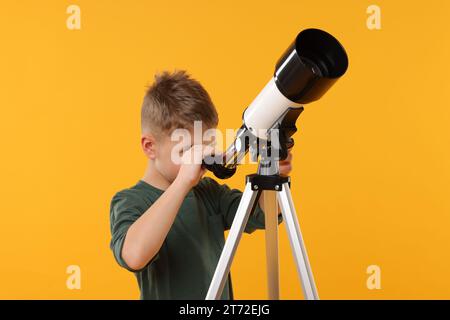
point(267, 107)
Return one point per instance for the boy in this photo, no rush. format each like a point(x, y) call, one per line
point(169, 228)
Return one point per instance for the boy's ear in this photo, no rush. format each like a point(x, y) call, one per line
point(148, 143)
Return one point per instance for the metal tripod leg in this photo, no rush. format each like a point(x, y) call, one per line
point(271, 227)
point(237, 228)
point(297, 244)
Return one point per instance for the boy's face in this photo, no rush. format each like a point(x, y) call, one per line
point(169, 150)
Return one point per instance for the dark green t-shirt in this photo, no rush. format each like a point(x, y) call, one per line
point(184, 265)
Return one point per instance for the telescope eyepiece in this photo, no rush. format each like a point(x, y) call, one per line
point(216, 165)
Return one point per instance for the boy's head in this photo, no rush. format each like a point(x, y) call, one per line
point(174, 101)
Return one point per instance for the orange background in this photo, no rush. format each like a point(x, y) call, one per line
point(371, 175)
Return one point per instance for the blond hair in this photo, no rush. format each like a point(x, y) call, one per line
point(175, 100)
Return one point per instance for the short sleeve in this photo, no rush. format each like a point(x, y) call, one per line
point(123, 213)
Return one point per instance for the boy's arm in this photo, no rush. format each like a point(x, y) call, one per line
point(146, 235)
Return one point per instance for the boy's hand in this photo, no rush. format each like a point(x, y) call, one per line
point(285, 165)
point(191, 169)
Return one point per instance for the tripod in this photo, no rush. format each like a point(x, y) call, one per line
point(276, 189)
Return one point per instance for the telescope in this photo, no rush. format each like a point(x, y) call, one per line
point(313, 62)
point(307, 69)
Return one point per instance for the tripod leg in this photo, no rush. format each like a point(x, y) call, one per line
point(246, 206)
point(297, 244)
point(271, 226)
